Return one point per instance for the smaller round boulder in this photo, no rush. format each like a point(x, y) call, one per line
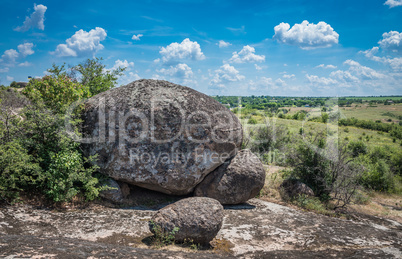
point(197, 218)
point(114, 194)
point(294, 188)
point(236, 181)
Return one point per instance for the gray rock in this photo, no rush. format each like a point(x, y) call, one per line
point(236, 181)
point(198, 219)
point(294, 187)
point(115, 194)
point(159, 135)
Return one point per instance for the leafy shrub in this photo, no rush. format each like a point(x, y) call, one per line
point(357, 148)
point(310, 203)
point(56, 92)
point(378, 177)
point(396, 162)
point(268, 137)
point(40, 154)
point(252, 120)
point(327, 168)
point(361, 198)
point(18, 170)
point(161, 236)
point(65, 170)
point(66, 177)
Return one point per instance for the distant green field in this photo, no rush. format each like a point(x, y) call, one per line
point(379, 112)
point(371, 98)
point(370, 137)
point(384, 113)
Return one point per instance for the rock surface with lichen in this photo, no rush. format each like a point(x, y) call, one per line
point(159, 135)
point(195, 219)
point(235, 181)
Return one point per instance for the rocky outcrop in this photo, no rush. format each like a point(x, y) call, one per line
point(159, 135)
point(294, 188)
point(198, 219)
point(236, 181)
point(258, 229)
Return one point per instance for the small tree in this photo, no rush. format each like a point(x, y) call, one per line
point(57, 92)
point(96, 77)
point(327, 168)
point(268, 137)
point(91, 74)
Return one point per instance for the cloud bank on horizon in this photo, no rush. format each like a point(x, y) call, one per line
point(303, 49)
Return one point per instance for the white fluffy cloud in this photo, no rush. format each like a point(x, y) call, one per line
point(266, 83)
point(128, 78)
point(180, 70)
point(288, 76)
point(246, 55)
point(136, 37)
point(257, 67)
point(326, 66)
point(390, 45)
point(361, 71)
point(355, 76)
point(10, 56)
point(394, 63)
point(392, 41)
point(36, 20)
point(306, 35)
point(393, 3)
point(25, 49)
point(223, 44)
point(186, 50)
point(225, 74)
point(122, 64)
point(24, 64)
point(82, 43)
point(10, 78)
point(321, 82)
point(4, 70)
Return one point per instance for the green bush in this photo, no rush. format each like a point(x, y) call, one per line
point(162, 237)
point(18, 170)
point(379, 177)
point(66, 176)
point(35, 150)
point(396, 162)
point(56, 92)
point(310, 203)
point(65, 170)
point(328, 168)
point(252, 120)
point(357, 148)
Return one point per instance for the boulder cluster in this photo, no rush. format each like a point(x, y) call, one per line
point(172, 139)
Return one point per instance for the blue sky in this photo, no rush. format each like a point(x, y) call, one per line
point(225, 47)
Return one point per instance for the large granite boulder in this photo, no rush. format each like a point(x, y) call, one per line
point(236, 181)
point(159, 135)
point(198, 219)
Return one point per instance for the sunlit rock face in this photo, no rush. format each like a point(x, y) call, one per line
point(159, 135)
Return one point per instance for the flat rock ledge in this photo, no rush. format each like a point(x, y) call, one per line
point(257, 229)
